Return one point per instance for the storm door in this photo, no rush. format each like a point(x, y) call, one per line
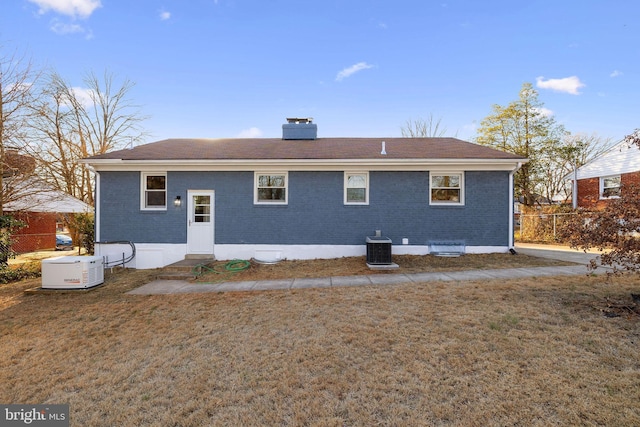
point(200, 222)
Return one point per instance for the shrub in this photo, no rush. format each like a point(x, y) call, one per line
point(83, 225)
point(26, 271)
point(8, 226)
point(615, 229)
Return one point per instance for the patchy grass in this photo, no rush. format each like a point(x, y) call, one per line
point(351, 266)
point(522, 352)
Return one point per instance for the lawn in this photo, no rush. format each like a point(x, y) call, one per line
point(349, 266)
point(539, 351)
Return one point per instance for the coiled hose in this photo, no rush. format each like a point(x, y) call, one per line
point(226, 269)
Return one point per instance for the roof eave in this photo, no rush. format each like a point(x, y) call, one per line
point(304, 164)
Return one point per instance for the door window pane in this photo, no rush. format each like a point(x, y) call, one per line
point(201, 209)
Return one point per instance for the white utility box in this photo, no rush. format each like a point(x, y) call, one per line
point(72, 272)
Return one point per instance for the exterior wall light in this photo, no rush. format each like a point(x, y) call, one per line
point(177, 202)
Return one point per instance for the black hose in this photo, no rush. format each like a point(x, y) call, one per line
point(120, 261)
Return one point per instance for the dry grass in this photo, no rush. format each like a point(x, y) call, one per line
point(351, 266)
point(491, 353)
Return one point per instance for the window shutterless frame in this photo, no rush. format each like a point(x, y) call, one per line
point(446, 188)
point(356, 188)
point(153, 191)
point(270, 188)
point(610, 186)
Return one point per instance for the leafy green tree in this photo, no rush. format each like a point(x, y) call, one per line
point(523, 127)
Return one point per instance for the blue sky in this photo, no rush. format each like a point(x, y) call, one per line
point(230, 68)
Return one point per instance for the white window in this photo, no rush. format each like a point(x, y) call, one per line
point(154, 191)
point(610, 186)
point(356, 188)
point(271, 188)
point(446, 188)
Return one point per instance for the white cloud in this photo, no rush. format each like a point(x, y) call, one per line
point(250, 133)
point(545, 112)
point(83, 96)
point(347, 72)
point(567, 84)
point(72, 8)
point(164, 15)
point(615, 73)
point(64, 28)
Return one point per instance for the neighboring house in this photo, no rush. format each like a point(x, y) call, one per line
point(301, 197)
point(603, 178)
point(38, 206)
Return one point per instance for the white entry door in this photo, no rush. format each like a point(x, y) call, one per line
point(200, 222)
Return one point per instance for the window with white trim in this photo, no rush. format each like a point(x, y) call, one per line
point(271, 188)
point(356, 188)
point(446, 188)
point(610, 186)
point(154, 191)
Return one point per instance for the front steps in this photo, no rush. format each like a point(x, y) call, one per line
point(185, 269)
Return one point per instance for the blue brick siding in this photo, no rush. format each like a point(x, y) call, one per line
point(315, 213)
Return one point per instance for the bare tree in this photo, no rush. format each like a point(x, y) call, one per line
point(73, 123)
point(559, 160)
point(16, 80)
point(422, 128)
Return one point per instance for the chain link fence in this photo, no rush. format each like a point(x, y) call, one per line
point(540, 227)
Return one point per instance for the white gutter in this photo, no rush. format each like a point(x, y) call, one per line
point(303, 164)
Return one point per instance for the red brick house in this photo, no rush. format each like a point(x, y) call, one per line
point(605, 177)
point(39, 208)
point(34, 202)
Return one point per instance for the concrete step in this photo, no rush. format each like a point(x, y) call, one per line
point(187, 269)
point(176, 276)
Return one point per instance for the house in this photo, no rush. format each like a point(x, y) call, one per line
point(34, 202)
point(39, 205)
point(300, 196)
point(603, 178)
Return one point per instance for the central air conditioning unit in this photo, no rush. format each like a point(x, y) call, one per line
point(379, 251)
point(72, 272)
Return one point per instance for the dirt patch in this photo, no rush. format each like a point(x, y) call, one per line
point(352, 266)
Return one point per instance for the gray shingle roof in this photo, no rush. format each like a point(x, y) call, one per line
point(318, 149)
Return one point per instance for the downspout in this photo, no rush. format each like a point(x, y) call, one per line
point(96, 208)
point(511, 206)
point(574, 189)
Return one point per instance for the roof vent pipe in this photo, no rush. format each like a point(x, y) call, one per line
point(384, 151)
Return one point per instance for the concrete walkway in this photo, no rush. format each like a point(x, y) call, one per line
point(581, 259)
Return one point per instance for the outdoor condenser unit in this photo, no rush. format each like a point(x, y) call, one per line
point(72, 272)
point(378, 250)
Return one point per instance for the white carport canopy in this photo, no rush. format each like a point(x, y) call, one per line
point(39, 197)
